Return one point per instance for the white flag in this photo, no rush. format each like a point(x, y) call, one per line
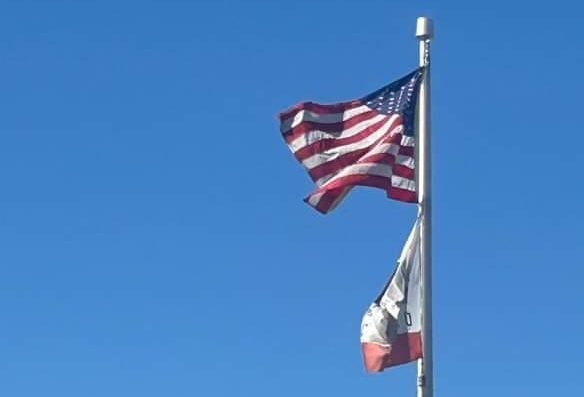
point(391, 328)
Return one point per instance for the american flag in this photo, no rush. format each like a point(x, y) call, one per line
point(364, 142)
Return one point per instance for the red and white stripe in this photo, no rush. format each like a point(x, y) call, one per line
point(350, 144)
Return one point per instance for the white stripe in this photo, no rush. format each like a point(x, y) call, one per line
point(314, 199)
point(317, 135)
point(334, 153)
point(408, 141)
point(388, 148)
point(392, 148)
point(340, 198)
point(328, 118)
point(375, 169)
point(406, 161)
point(403, 183)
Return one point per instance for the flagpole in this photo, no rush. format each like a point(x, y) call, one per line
point(424, 33)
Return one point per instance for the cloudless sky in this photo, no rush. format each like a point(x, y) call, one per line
point(153, 237)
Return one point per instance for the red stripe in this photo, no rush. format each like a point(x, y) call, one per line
point(328, 199)
point(331, 143)
point(405, 348)
point(407, 151)
point(355, 157)
point(375, 356)
point(341, 162)
point(404, 172)
point(381, 182)
point(336, 165)
point(402, 195)
point(334, 189)
point(380, 158)
point(333, 128)
point(318, 108)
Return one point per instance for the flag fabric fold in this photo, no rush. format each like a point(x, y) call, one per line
point(364, 142)
point(391, 327)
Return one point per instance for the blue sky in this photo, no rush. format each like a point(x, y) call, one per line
point(154, 240)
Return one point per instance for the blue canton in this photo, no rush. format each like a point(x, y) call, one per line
point(398, 97)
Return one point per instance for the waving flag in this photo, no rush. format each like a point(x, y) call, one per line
point(391, 328)
point(366, 142)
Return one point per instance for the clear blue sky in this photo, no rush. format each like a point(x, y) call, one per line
point(153, 237)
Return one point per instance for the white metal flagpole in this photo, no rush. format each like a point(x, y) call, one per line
point(424, 33)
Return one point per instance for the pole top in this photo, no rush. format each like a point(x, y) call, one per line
point(424, 28)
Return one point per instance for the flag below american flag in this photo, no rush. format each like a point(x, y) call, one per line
point(364, 142)
point(391, 330)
